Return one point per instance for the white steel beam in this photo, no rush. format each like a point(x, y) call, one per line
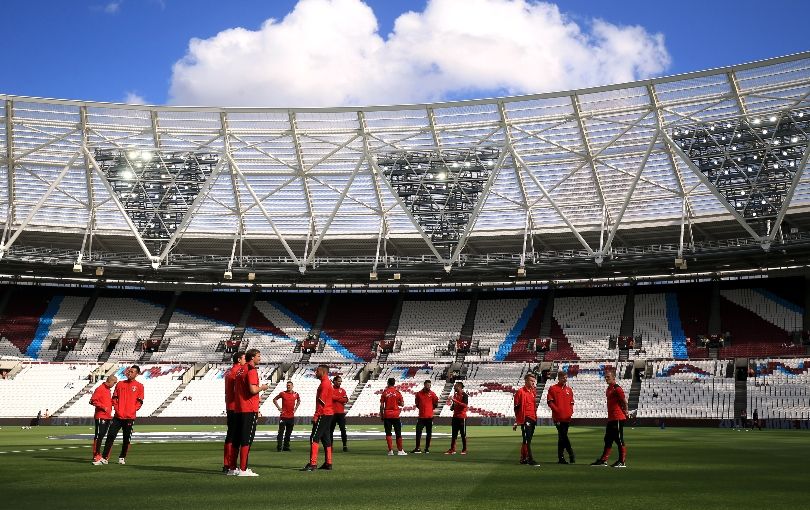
point(695, 170)
point(299, 157)
point(629, 195)
point(103, 179)
point(189, 214)
point(10, 194)
point(261, 207)
point(482, 198)
point(589, 157)
point(331, 217)
point(789, 196)
point(519, 161)
point(5, 246)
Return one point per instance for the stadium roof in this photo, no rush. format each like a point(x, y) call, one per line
point(584, 181)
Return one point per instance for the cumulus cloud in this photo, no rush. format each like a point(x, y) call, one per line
point(134, 98)
point(330, 52)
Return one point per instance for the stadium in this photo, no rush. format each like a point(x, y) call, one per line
point(658, 229)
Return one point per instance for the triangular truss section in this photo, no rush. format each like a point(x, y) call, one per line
point(752, 163)
point(440, 188)
point(155, 188)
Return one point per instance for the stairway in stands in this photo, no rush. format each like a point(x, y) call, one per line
point(238, 333)
point(316, 329)
point(740, 387)
point(170, 399)
point(75, 331)
point(161, 327)
point(356, 393)
point(76, 398)
point(468, 328)
point(635, 389)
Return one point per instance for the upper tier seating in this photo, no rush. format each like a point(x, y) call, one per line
point(356, 321)
point(426, 325)
point(133, 319)
point(57, 325)
point(588, 321)
point(495, 319)
point(650, 321)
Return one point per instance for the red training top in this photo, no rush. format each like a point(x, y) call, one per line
point(561, 401)
point(230, 381)
point(245, 401)
point(459, 405)
point(102, 401)
point(127, 398)
point(615, 395)
point(288, 401)
point(426, 402)
point(391, 400)
point(525, 405)
point(339, 400)
point(323, 399)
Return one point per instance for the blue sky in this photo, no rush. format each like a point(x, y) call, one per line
point(110, 50)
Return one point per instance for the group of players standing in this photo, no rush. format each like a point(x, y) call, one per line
point(242, 400)
point(242, 390)
point(561, 402)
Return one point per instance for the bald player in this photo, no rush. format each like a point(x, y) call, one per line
point(102, 401)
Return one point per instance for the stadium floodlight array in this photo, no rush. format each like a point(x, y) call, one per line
point(440, 187)
point(155, 188)
point(751, 162)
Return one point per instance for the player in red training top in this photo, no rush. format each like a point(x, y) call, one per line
point(391, 404)
point(561, 401)
point(321, 422)
point(232, 420)
point(526, 417)
point(459, 404)
point(246, 391)
point(102, 401)
point(290, 400)
point(127, 398)
point(617, 414)
point(339, 401)
point(426, 403)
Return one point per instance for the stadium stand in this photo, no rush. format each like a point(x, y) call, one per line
point(652, 323)
point(491, 389)
point(342, 326)
point(127, 318)
point(41, 386)
point(695, 389)
point(779, 389)
point(586, 379)
point(498, 324)
point(588, 321)
point(428, 325)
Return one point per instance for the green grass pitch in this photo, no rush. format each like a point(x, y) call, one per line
point(672, 468)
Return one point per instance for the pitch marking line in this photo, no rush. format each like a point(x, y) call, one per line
point(45, 449)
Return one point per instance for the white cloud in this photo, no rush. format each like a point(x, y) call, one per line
point(330, 52)
point(134, 98)
point(113, 7)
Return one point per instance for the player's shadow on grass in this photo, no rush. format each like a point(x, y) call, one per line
point(75, 460)
point(174, 469)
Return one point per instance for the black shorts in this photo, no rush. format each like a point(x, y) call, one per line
point(247, 428)
point(614, 432)
point(322, 430)
point(233, 431)
point(393, 423)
